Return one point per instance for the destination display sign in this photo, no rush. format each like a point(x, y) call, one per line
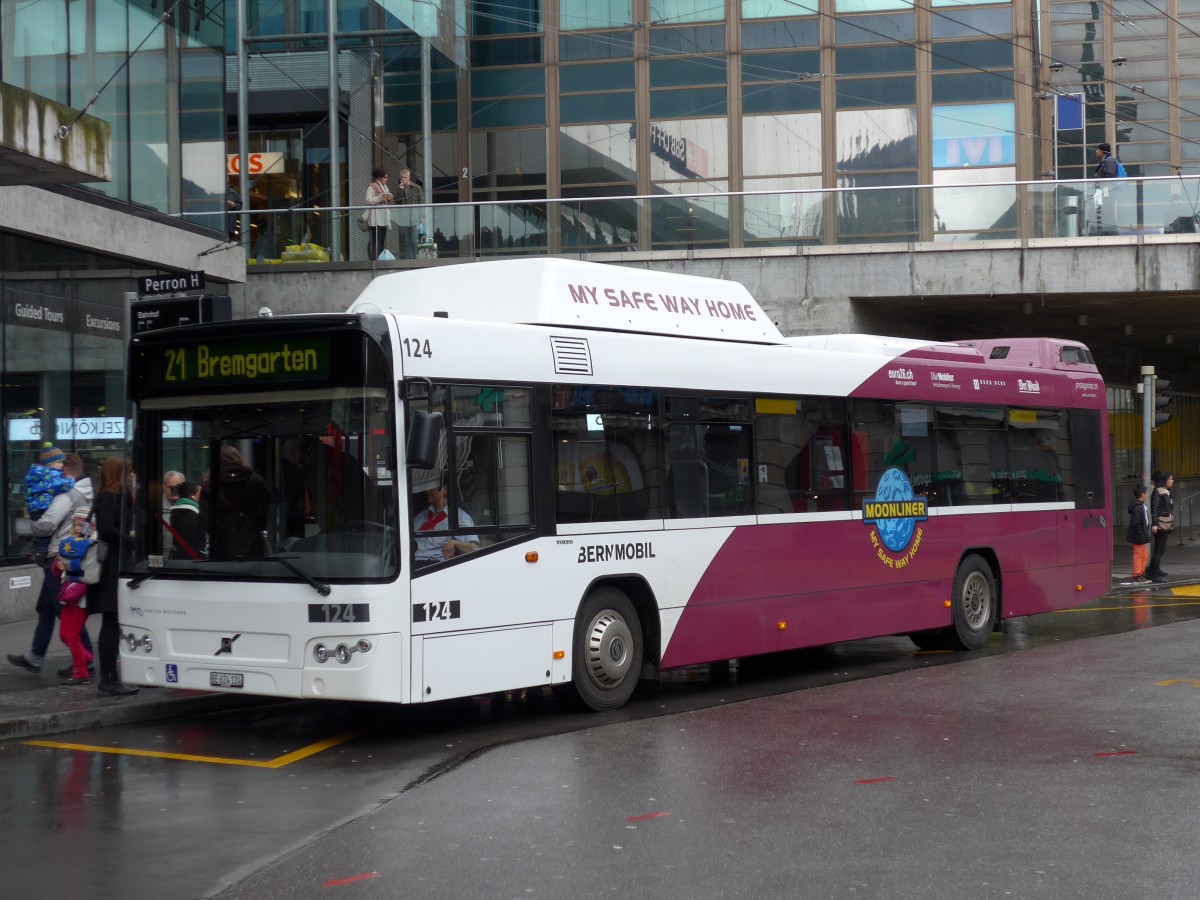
point(226, 363)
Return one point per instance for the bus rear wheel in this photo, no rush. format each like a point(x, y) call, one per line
point(973, 604)
point(607, 659)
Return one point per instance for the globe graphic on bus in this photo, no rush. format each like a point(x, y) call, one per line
point(896, 533)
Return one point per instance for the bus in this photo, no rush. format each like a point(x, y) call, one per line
point(544, 472)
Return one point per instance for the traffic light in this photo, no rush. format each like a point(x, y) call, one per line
point(1160, 399)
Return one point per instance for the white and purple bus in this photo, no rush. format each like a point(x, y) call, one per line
point(510, 474)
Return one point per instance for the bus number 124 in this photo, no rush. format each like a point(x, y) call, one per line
point(438, 610)
point(417, 348)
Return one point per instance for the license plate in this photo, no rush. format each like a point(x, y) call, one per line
point(226, 679)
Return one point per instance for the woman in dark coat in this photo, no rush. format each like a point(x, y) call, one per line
point(1161, 522)
point(113, 501)
point(243, 505)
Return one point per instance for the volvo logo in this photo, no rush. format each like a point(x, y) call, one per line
point(227, 645)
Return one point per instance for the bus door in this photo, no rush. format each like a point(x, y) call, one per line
point(1092, 532)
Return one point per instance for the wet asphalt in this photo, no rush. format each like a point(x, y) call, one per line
point(863, 770)
point(1068, 770)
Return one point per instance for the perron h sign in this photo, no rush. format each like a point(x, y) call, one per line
point(171, 284)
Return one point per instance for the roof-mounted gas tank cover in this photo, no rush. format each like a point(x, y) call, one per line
point(1047, 353)
point(575, 294)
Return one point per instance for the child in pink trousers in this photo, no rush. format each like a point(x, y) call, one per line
point(73, 602)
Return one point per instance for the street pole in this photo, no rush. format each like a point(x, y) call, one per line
point(1147, 422)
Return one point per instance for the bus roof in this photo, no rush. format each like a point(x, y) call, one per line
point(888, 346)
point(575, 294)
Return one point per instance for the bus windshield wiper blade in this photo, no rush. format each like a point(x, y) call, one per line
point(136, 581)
point(319, 586)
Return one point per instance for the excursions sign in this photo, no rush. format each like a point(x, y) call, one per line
point(62, 315)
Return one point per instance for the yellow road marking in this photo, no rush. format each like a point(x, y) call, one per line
point(277, 763)
point(1082, 609)
point(1177, 681)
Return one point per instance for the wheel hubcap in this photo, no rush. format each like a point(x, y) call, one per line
point(976, 601)
point(608, 656)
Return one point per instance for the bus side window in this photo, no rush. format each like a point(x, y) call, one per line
point(799, 447)
point(607, 454)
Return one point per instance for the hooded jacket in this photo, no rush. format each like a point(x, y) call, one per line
point(55, 523)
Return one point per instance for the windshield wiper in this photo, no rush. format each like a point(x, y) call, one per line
point(319, 586)
point(136, 581)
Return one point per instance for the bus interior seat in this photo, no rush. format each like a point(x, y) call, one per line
point(772, 499)
point(574, 506)
point(689, 485)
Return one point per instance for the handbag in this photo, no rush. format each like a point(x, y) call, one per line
point(364, 221)
point(1166, 522)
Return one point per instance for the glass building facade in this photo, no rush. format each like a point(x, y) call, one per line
point(682, 99)
point(161, 86)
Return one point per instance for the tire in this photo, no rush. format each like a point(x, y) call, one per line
point(607, 658)
point(973, 605)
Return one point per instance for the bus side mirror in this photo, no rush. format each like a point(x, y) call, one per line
point(424, 437)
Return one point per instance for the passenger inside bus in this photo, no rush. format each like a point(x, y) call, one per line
point(243, 506)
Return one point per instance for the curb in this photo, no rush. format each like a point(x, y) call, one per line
point(113, 711)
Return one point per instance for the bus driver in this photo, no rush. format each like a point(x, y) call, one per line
point(434, 517)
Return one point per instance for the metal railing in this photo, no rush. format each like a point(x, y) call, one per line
point(747, 219)
point(1185, 517)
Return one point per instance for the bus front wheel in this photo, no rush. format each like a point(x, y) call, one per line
point(973, 604)
point(607, 658)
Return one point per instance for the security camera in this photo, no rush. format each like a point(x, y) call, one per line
point(1056, 67)
point(264, 312)
point(1119, 61)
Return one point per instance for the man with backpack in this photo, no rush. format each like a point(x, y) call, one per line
point(1107, 166)
point(55, 524)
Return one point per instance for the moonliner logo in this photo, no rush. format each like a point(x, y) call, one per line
point(894, 512)
point(1029, 386)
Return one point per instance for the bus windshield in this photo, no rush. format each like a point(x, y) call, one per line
point(275, 485)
